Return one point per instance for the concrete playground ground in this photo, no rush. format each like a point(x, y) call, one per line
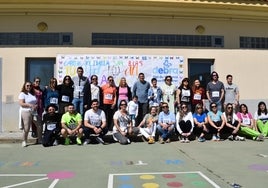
point(187, 165)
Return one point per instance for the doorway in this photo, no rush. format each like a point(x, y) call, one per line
point(200, 69)
point(40, 67)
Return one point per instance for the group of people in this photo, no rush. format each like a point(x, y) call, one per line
point(81, 111)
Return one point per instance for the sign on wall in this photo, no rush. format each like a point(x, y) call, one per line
point(128, 66)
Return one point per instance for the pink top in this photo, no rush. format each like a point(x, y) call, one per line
point(123, 93)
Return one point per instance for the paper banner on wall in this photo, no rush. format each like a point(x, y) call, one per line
point(128, 66)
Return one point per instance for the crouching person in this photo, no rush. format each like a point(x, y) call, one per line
point(123, 127)
point(71, 125)
point(51, 120)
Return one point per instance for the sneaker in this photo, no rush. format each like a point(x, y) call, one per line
point(168, 140)
point(86, 142)
point(240, 138)
point(151, 140)
point(218, 138)
point(23, 144)
point(187, 140)
point(55, 143)
point(214, 138)
point(231, 138)
point(78, 141)
point(201, 139)
point(259, 138)
point(161, 141)
point(100, 140)
point(182, 140)
point(67, 141)
point(128, 141)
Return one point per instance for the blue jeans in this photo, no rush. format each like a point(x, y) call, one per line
point(79, 105)
point(164, 133)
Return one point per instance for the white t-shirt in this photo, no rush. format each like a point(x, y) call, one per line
point(123, 121)
point(28, 98)
point(95, 118)
point(132, 108)
point(263, 116)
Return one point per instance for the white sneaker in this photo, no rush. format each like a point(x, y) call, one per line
point(55, 143)
point(23, 144)
point(187, 140)
point(240, 138)
point(86, 142)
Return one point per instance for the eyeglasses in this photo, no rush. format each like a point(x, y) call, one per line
point(213, 106)
point(38, 81)
point(111, 80)
point(199, 108)
point(123, 104)
point(94, 79)
point(229, 107)
point(164, 106)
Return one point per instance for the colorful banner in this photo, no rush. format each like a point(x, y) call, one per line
point(128, 66)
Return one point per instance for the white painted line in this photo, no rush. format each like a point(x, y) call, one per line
point(262, 155)
point(23, 175)
point(26, 182)
point(209, 180)
point(141, 163)
point(53, 183)
point(110, 181)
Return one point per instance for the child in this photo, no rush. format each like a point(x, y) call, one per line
point(133, 108)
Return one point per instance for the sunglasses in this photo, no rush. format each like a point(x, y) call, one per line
point(213, 106)
point(229, 107)
point(111, 80)
point(164, 106)
point(123, 104)
point(38, 81)
point(94, 79)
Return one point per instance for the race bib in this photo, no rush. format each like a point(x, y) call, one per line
point(72, 126)
point(246, 121)
point(108, 97)
point(65, 98)
point(186, 93)
point(215, 94)
point(51, 126)
point(53, 100)
point(197, 96)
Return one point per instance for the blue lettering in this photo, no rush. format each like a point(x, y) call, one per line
point(165, 70)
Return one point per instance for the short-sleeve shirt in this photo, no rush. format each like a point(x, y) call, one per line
point(215, 117)
point(109, 93)
point(28, 98)
point(245, 118)
point(148, 118)
point(200, 117)
point(262, 117)
point(215, 90)
point(71, 120)
point(123, 121)
point(230, 93)
point(95, 118)
point(234, 118)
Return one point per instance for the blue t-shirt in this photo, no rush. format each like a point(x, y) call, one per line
point(200, 117)
point(215, 117)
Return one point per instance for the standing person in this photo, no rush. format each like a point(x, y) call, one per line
point(51, 120)
point(79, 83)
point(92, 91)
point(95, 123)
point(71, 123)
point(140, 89)
point(231, 93)
point(66, 92)
point(133, 109)
point(261, 119)
point(199, 95)
point(154, 94)
point(215, 90)
point(247, 124)
point(123, 127)
point(38, 92)
point(28, 113)
point(123, 91)
point(109, 101)
point(185, 122)
point(215, 122)
point(169, 93)
point(232, 123)
point(51, 94)
point(184, 94)
point(200, 123)
point(148, 125)
point(166, 123)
